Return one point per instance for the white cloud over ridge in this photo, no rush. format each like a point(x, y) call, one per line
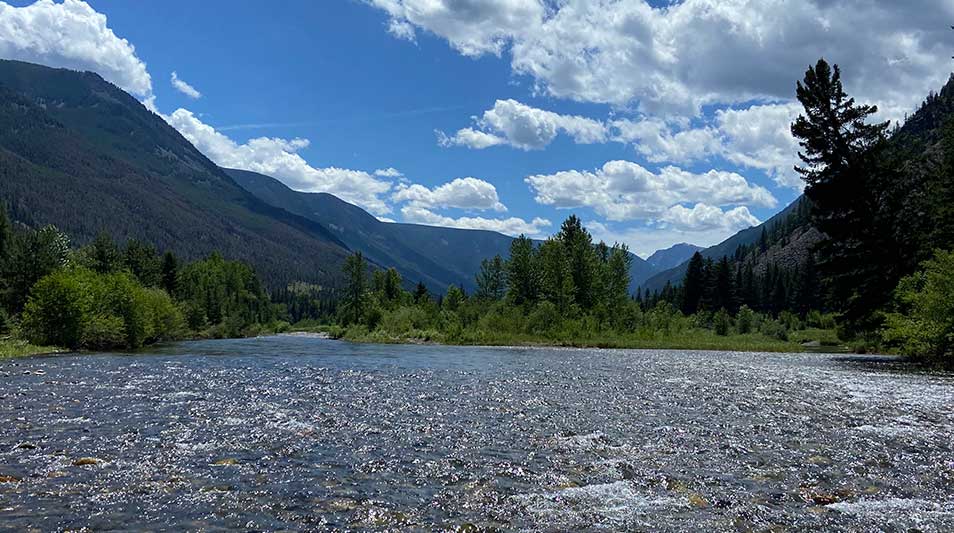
point(279, 158)
point(183, 87)
point(623, 191)
point(461, 193)
point(71, 35)
point(512, 226)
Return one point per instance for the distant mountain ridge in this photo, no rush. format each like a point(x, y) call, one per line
point(80, 153)
point(672, 257)
point(437, 256)
point(727, 247)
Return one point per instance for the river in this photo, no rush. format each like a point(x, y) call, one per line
point(303, 433)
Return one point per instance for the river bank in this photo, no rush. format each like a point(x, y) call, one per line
point(10, 347)
point(694, 339)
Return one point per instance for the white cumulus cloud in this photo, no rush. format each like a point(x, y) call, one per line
point(675, 58)
point(623, 190)
point(461, 193)
point(279, 158)
point(701, 217)
point(525, 127)
point(71, 35)
point(183, 87)
point(513, 226)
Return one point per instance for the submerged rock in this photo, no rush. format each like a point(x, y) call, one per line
point(9, 479)
point(226, 462)
point(696, 500)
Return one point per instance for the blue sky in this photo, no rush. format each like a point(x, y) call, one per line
point(656, 124)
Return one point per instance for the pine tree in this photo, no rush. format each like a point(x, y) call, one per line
point(724, 296)
point(421, 294)
point(844, 168)
point(170, 273)
point(522, 274)
point(355, 296)
point(618, 279)
point(582, 259)
point(556, 278)
point(693, 285)
point(103, 254)
point(491, 279)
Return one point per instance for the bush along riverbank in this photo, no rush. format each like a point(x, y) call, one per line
point(567, 291)
point(103, 296)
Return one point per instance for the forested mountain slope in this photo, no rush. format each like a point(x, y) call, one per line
point(80, 153)
point(437, 256)
point(780, 224)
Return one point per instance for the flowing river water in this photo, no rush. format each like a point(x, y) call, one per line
point(303, 433)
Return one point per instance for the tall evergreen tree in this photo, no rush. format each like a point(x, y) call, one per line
point(522, 274)
point(421, 294)
point(170, 273)
point(843, 156)
point(491, 279)
point(103, 254)
point(617, 279)
point(581, 257)
point(556, 276)
point(143, 261)
point(694, 284)
point(355, 295)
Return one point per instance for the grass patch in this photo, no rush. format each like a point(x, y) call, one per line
point(10, 347)
point(693, 339)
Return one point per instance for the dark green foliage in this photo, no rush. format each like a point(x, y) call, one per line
point(491, 280)
point(581, 258)
point(387, 287)
point(523, 279)
point(223, 293)
point(80, 308)
point(143, 261)
point(833, 132)
point(102, 255)
point(844, 170)
point(421, 294)
point(169, 275)
point(355, 298)
point(694, 284)
point(923, 324)
point(454, 299)
point(31, 256)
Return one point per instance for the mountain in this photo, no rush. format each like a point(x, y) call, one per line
point(434, 255)
point(672, 257)
point(78, 152)
point(746, 237)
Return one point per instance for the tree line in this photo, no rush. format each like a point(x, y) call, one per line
point(565, 290)
point(104, 295)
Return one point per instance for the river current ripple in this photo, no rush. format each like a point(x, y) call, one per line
point(301, 433)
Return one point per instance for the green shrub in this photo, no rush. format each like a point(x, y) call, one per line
point(544, 318)
point(745, 320)
point(58, 309)
point(774, 329)
point(79, 308)
point(721, 322)
point(923, 324)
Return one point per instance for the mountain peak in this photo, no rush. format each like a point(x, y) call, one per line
point(672, 256)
